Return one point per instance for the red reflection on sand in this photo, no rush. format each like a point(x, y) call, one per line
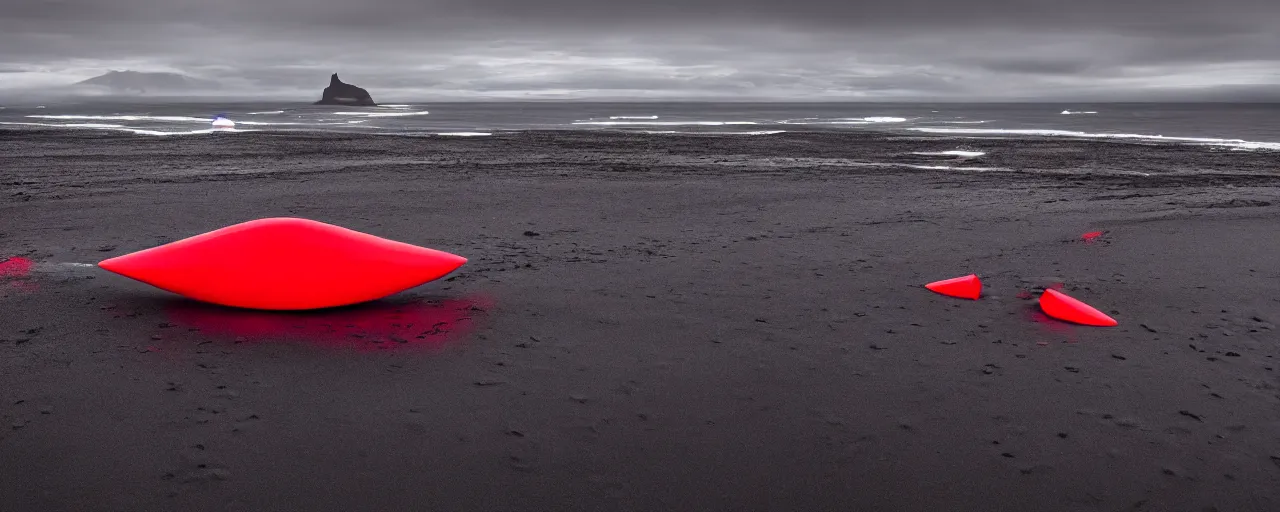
point(373, 326)
point(1091, 236)
point(14, 271)
point(1057, 327)
point(15, 267)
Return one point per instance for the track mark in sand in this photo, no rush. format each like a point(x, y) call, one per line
point(1191, 415)
point(1234, 203)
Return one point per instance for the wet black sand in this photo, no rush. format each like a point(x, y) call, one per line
point(651, 323)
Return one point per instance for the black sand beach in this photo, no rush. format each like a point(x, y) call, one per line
point(651, 322)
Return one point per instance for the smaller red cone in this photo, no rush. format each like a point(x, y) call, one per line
point(967, 287)
point(1059, 305)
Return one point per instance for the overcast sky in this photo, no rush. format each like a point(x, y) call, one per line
point(728, 49)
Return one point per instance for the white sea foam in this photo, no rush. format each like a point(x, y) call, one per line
point(948, 167)
point(845, 120)
point(633, 117)
point(96, 126)
point(191, 132)
point(267, 123)
point(675, 132)
point(382, 114)
point(56, 125)
point(84, 125)
point(664, 123)
point(122, 128)
point(125, 118)
point(1068, 112)
point(464, 134)
point(1253, 146)
point(265, 113)
point(817, 121)
point(954, 152)
point(1237, 143)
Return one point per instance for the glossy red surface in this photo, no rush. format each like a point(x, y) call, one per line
point(285, 264)
point(967, 287)
point(1063, 307)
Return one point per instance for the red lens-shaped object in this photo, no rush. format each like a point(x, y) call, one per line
point(285, 264)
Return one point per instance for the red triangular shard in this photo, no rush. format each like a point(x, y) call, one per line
point(285, 264)
point(1061, 306)
point(967, 287)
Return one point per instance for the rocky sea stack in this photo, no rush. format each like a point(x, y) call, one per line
point(340, 93)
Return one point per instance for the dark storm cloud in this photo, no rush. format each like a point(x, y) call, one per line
point(475, 14)
point(1038, 66)
point(791, 48)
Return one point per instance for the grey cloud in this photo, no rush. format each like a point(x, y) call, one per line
point(1037, 66)
point(794, 48)
point(482, 15)
point(1209, 48)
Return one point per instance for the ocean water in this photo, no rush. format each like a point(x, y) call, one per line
point(1244, 127)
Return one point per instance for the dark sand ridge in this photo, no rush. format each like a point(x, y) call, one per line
point(732, 323)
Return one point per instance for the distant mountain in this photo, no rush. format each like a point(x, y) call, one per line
point(136, 82)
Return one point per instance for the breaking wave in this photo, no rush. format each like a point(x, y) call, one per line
point(946, 167)
point(381, 114)
point(845, 120)
point(268, 123)
point(125, 118)
point(664, 123)
point(122, 128)
point(954, 152)
point(1235, 143)
point(70, 125)
point(675, 132)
